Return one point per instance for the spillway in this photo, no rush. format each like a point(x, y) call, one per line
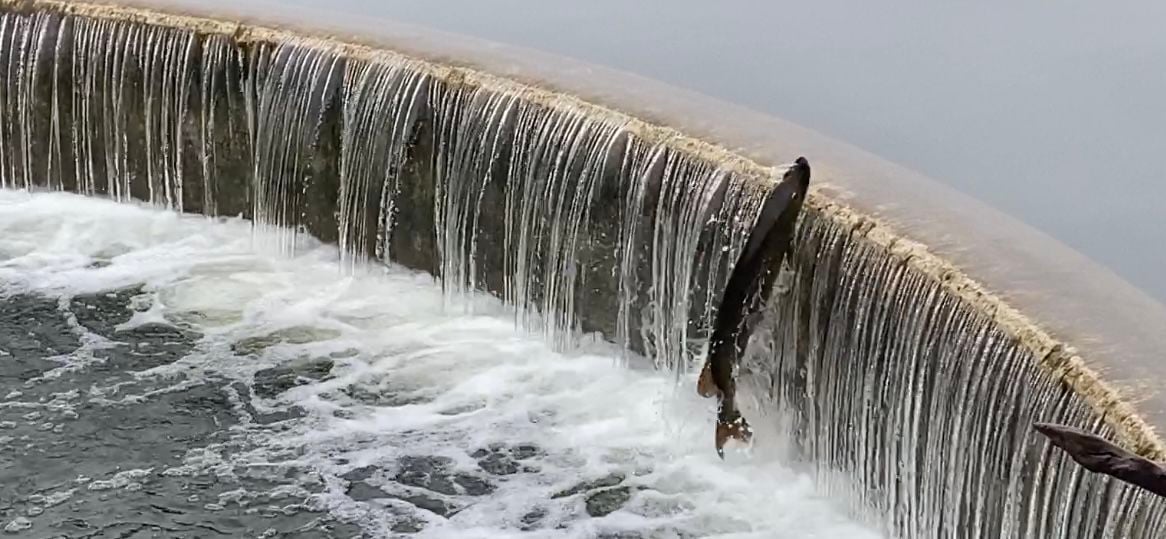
point(905, 381)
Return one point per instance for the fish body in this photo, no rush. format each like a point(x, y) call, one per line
point(1099, 455)
point(749, 284)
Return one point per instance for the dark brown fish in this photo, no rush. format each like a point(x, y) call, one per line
point(1099, 455)
point(750, 283)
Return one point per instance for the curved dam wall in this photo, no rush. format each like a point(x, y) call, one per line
point(899, 378)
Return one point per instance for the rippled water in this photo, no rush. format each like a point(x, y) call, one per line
point(164, 376)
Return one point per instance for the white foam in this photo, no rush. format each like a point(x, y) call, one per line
point(474, 381)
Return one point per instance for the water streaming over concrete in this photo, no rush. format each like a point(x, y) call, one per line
point(537, 201)
point(583, 220)
point(198, 386)
point(888, 378)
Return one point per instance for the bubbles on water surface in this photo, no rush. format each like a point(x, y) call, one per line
point(197, 387)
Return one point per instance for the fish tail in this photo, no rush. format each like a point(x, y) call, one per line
point(736, 429)
point(705, 385)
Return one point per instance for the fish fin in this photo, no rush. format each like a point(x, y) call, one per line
point(705, 385)
point(737, 429)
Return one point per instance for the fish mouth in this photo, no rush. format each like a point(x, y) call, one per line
point(1062, 436)
point(798, 176)
point(1049, 430)
point(1087, 449)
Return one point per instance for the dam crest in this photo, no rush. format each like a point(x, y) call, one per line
point(887, 364)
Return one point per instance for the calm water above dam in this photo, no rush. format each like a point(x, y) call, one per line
point(1050, 112)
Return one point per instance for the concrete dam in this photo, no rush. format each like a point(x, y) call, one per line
point(915, 338)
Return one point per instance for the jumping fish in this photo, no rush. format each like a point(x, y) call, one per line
point(1099, 455)
point(749, 284)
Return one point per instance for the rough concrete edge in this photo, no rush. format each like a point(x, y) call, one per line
point(1056, 357)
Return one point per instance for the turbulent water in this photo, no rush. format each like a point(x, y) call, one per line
point(167, 375)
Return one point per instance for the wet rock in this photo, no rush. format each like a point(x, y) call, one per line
point(292, 335)
point(271, 382)
point(609, 480)
point(607, 501)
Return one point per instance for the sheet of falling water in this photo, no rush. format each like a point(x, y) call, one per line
point(167, 376)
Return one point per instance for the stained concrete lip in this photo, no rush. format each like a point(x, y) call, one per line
point(1118, 330)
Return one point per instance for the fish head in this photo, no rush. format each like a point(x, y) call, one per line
point(797, 177)
point(1086, 448)
point(781, 206)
